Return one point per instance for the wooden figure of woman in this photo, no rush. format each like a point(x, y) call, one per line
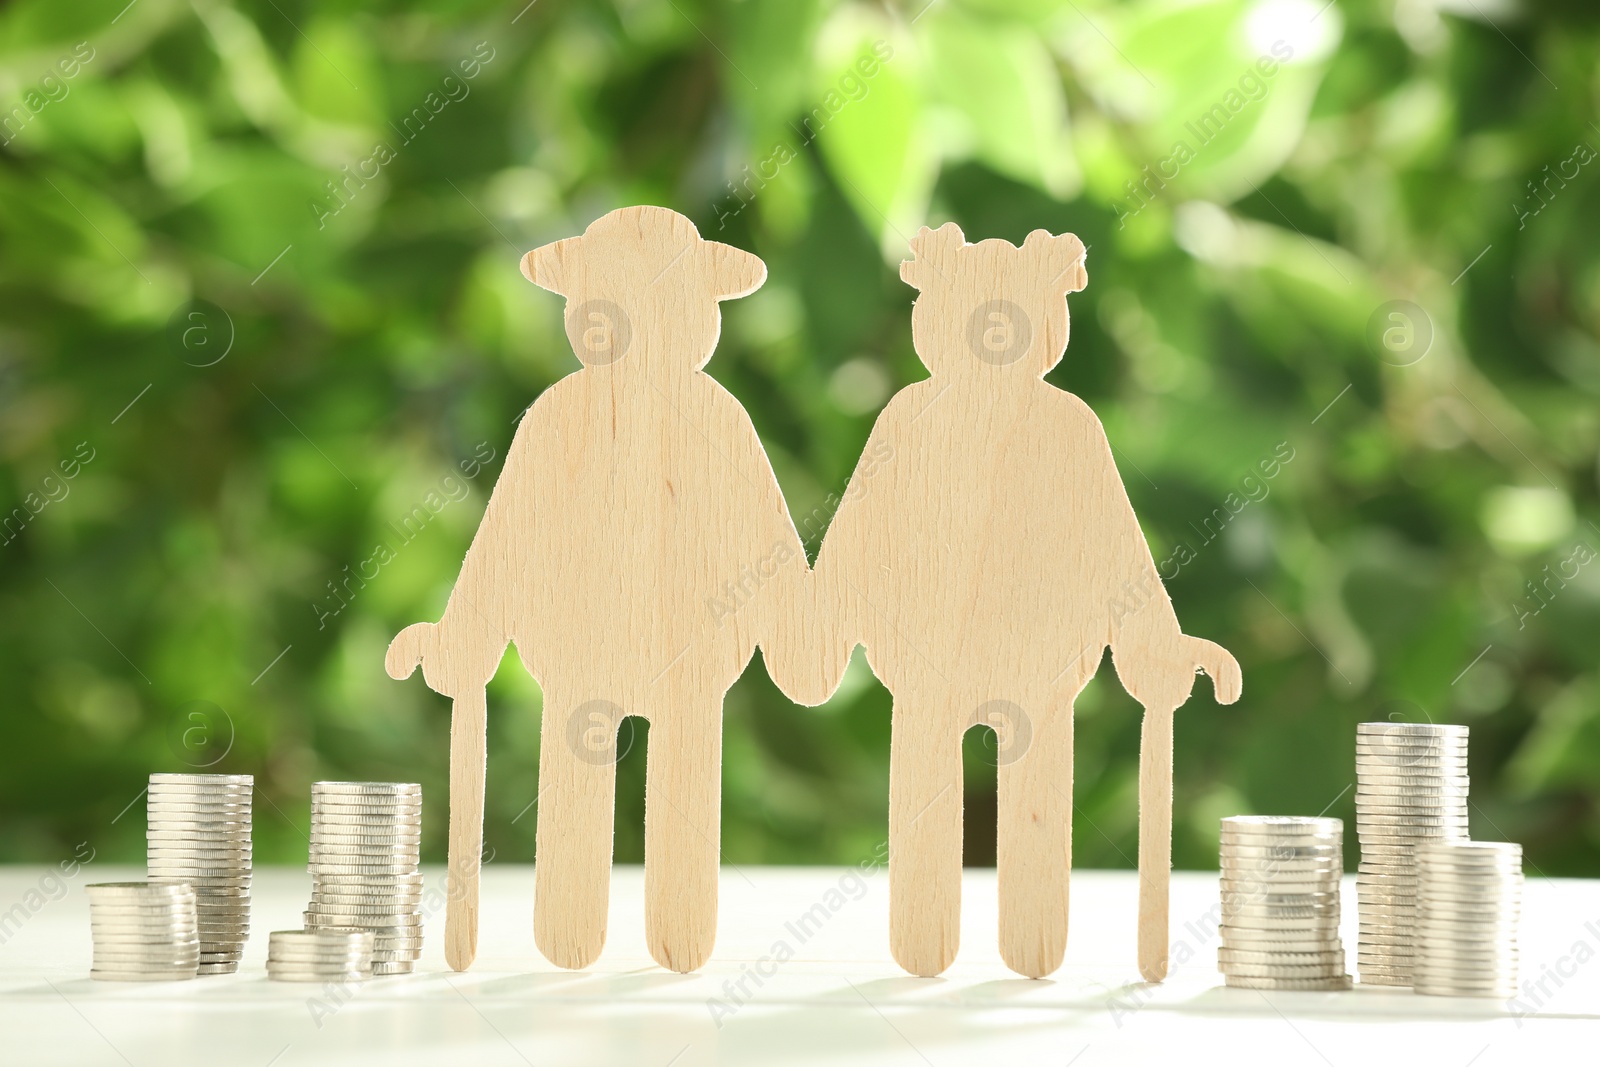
point(986, 567)
point(633, 551)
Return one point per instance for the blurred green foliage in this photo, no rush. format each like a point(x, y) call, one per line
point(365, 343)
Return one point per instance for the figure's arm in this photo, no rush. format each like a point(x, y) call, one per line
point(460, 653)
point(818, 634)
point(1154, 659)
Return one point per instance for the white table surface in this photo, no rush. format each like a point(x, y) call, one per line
point(841, 997)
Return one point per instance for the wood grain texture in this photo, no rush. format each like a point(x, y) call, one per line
point(986, 555)
point(636, 550)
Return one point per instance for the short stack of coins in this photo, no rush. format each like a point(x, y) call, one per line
point(143, 932)
point(1280, 903)
point(199, 833)
point(1469, 901)
point(319, 955)
point(366, 840)
point(1411, 791)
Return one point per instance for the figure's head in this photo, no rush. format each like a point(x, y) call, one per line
point(991, 303)
point(642, 280)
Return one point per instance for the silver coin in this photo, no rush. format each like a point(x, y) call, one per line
point(1387, 728)
point(1267, 851)
point(133, 925)
point(1371, 816)
point(339, 837)
point(1419, 760)
point(155, 935)
point(358, 806)
point(358, 853)
point(319, 906)
point(1281, 900)
point(1385, 919)
point(365, 914)
point(228, 967)
point(100, 918)
point(356, 867)
point(1298, 947)
point(144, 961)
point(1306, 926)
point(1329, 969)
point(387, 788)
point(1253, 845)
point(221, 954)
point(312, 937)
point(316, 919)
point(1231, 893)
point(1399, 759)
point(1489, 850)
point(1313, 957)
point(1418, 784)
point(1382, 745)
point(1487, 972)
point(373, 901)
point(1440, 989)
point(132, 891)
point(1302, 985)
point(1261, 839)
point(1490, 979)
point(281, 974)
point(1477, 911)
point(303, 954)
point(1473, 958)
point(1282, 823)
point(209, 787)
point(1249, 933)
point(1282, 862)
point(379, 969)
point(413, 878)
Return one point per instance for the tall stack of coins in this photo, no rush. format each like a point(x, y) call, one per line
point(319, 956)
point(1411, 791)
point(366, 840)
point(199, 833)
point(1469, 901)
point(1280, 903)
point(143, 932)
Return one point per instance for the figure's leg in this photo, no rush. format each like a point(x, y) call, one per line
point(1033, 857)
point(924, 835)
point(683, 829)
point(577, 797)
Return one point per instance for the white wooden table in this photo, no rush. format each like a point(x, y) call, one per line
point(839, 997)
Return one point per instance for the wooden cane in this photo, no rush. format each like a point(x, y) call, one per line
point(468, 756)
point(1155, 840)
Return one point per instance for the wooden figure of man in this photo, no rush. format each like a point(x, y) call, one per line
point(985, 568)
point(633, 551)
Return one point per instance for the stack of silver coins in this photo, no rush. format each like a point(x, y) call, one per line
point(1411, 791)
point(1280, 903)
point(319, 955)
point(1469, 901)
point(199, 834)
point(143, 932)
point(366, 840)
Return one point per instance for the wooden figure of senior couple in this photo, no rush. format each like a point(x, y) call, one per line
point(992, 563)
